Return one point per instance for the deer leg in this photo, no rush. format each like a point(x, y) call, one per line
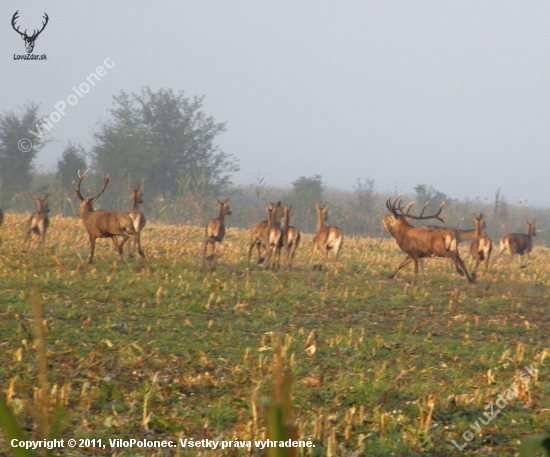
point(125, 237)
point(115, 244)
point(137, 239)
point(28, 234)
point(312, 256)
point(462, 267)
point(408, 259)
point(260, 258)
point(323, 257)
point(250, 252)
point(92, 248)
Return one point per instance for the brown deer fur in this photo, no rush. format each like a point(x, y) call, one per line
point(103, 224)
point(257, 231)
point(326, 239)
point(518, 243)
point(39, 221)
point(215, 229)
point(270, 239)
point(138, 218)
point(420, 242)
point(482, 245)
point(290, 238)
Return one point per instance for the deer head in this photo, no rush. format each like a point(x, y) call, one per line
point(29, 40)
point(87, 202)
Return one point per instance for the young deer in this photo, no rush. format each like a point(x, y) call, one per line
point(103, 224)
point(257, 231)
point(138, 219)
point(38, 222)
point(326, 239)
point(420, 242)
point(271, 238)
point(290, 238)
point(215, 230)
point(482, 245)
point(518, 243)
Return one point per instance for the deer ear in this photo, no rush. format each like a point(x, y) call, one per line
point(46, 197)
point(317, 206)
point(326, 205)
point(227, 200)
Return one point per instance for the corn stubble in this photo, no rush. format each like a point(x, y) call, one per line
point(359, 364)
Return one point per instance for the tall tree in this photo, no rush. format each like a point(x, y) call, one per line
point(303, 196)
point(164, 140)
point(72, 160)
point(18, 148)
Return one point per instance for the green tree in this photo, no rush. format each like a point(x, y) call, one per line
point(18, 148)
point(429, 195)
point(164, 140)
point(72, 160)
point(303, 196)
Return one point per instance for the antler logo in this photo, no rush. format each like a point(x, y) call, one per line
point(29, 40)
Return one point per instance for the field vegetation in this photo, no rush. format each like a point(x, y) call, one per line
point(167, 349)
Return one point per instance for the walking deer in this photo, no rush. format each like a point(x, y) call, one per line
point(290, 238)
point(482, 245)
point(138, 218)
point(271, 239)
point(39, 221)
point(420, 242)
point(215, 230)
point(326, 239)
point(258, 229)
point(518, 243)
point(103, 224)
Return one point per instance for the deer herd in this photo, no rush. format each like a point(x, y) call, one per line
point(275, 236)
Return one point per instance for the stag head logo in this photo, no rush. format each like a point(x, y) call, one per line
point(29, 40)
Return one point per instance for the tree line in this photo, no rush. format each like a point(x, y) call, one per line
point(165, 142)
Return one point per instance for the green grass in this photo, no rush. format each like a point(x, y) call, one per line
point(195, 350)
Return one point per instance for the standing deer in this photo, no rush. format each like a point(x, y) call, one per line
point(271, 238)
point(138, 219)
point(326, 239)
point(39, 221)
point(482, 245)
point(518, 243)
point(290, 238)
point(215, 230)
point(103, 224)
point(257, 231)
point(420, 242)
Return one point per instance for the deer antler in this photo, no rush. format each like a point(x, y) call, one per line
point(80, 178)
point(105, 182)
point(13, 19)
point(397, 210)
point(24, 34)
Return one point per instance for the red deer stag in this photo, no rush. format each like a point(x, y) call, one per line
point(257, 232)
point(290, 238)
point(420, 242)
point(215, 230)
point(102, 224)
point(518, 243)
point(39, 221)
point(326, 239)
point(138, 218)
point(482, 245)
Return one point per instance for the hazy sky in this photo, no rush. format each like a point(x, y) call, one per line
point(450, 94)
